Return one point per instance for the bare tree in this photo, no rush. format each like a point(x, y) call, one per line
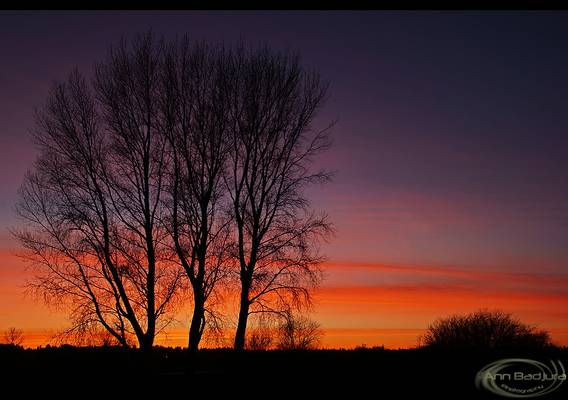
point(299, 333)
point(195, 119)
point(272, 104)
point(259, 338)
point(93, 203)
point(14, 337)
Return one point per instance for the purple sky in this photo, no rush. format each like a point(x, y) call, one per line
point(451, 136)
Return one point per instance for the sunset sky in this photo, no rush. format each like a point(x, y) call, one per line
point(450, 152)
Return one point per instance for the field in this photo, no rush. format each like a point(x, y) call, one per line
point(388, 374)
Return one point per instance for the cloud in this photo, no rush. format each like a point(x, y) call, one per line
point(365, 274)
point(381, 296)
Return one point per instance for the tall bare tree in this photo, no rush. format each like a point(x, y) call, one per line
point(273, 103)
point(94, 201)
point(195, 119)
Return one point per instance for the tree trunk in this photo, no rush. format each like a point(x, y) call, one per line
point(146, 343)
point(240, 335)
point(196, 327)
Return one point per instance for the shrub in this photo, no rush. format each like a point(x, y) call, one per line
point(299, 333)
point(484, 329)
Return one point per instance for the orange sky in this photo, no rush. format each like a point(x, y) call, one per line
point(371, 304)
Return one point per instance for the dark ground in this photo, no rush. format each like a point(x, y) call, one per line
point(374, 373)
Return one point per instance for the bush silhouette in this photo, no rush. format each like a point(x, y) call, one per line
point(259, 338)
point(299, 333)
point(484, 329)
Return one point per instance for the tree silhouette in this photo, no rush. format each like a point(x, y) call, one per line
point(273, 102)
point(93, 204)
point(175, 159)
point(195, 122)
point(14, 336)
point(484, 329)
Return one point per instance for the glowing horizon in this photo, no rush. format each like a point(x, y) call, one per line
point(377, 304)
